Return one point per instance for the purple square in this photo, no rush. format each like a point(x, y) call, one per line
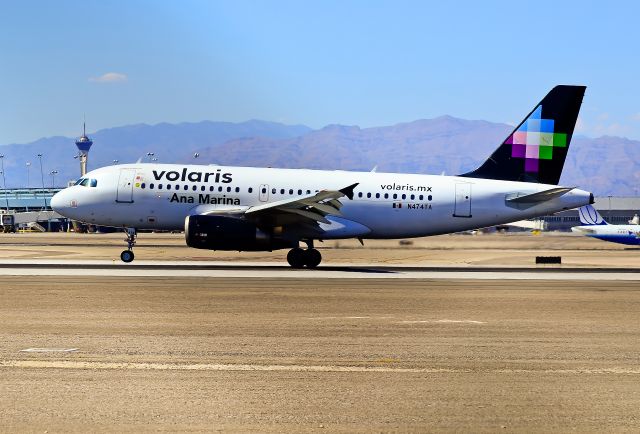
point(531, 165)
point(518, 151)
point(509, 140)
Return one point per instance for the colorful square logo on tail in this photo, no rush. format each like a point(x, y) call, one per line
point(534, 140)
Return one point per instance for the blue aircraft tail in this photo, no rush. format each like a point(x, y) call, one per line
point(590, 217)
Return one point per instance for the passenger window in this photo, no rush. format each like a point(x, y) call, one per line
point(194, 188)
point(377, 195)
point(430, 197)
point(368, 195)
point(360, 194)
point(250, 190)
point(142, 185)
point(404, 196)
point(159, 186)
point(291, 191)
point(421, 197)
point(264, 191)
point(395, 195)
point(151, 186)
point(237, 189)
point(202, 188)
point(299, 192)
point(273, 191)
point(413, 196)
point(211, 188)
point(186, 187)
point(308, 191)
point(282, 191)
point(386, 195)
point(220, 189)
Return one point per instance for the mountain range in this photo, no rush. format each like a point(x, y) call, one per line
point(605, 165)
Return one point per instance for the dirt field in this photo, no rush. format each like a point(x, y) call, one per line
point(350, 355)
point(478, 250)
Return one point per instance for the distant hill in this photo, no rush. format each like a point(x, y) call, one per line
point(605, 165)
point(169, 142)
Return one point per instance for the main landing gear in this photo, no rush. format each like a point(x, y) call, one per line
point(299, 258)
point(127, 255)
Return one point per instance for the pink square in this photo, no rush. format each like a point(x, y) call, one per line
point(520, 137)
point(532, 151)
point(531, 165)
point(518, 151)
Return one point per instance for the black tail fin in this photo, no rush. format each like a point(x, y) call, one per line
point(535, 151)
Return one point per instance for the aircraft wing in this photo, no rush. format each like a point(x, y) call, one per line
point(306, 209)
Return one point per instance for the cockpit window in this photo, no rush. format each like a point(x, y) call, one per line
point(87, 182)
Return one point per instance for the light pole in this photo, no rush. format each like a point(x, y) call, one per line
point(42, 177)
point(53, 178)
point(4, 182)
point(28, 167)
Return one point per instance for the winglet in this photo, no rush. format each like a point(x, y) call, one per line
point(348, 191)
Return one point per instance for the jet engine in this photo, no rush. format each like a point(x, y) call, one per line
point(229, 233)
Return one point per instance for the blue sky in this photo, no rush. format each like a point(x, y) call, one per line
point(365, 63)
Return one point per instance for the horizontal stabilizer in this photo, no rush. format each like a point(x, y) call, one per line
point(541, 196)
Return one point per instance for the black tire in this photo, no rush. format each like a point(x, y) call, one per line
point(296, 257)
point(127, 256)
point(312, 258)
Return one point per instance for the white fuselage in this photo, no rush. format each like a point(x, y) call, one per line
point(621, 234)
point(390, 205)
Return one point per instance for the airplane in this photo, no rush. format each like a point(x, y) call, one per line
point(265, 209)
point(593, 225)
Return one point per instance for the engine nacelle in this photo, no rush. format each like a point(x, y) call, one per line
point(229, 233)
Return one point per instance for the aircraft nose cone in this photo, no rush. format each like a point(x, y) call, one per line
point(58, 202)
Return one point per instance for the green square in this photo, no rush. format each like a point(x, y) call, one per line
point(545, 152)
point(560, 140)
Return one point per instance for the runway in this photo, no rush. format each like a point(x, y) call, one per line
point(130, 353)
point(34, 267)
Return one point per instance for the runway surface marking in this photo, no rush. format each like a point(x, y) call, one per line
point(68, 364)
point(49, 350)
point(443, 321)
point(279, 272)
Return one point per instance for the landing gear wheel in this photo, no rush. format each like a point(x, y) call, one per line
point(296, 257)
point(312, 258)
point(127, 256)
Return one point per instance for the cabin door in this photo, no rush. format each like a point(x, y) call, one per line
point(125, 186)
point(463, 200)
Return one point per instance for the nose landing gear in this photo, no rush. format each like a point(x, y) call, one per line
point(127, 255)
point(299, 258)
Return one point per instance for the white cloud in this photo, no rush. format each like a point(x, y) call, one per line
point(109, 77)
point(635, 117)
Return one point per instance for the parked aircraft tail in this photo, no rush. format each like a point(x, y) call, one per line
point(536, 150)
point(590, 217)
